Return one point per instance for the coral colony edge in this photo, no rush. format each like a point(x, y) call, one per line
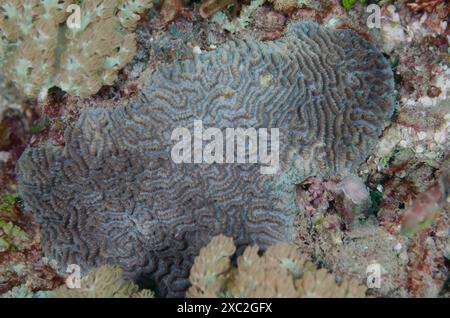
point(224, 149)
point(112, 194)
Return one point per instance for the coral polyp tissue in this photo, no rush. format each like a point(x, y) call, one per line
point(38, 49)
point(113, 195)
point(92, 91)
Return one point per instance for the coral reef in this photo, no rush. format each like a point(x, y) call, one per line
point(406, 200)
point(103, 282)
point(401, 227)
point(404, 230)
point(22, 272)
point(413, 209)
point(410, 163)
point(113, 194)
point(281, 272)
point(38, 50)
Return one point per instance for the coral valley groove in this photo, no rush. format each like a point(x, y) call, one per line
point(235, 141)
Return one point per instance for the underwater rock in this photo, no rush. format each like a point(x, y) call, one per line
point(113, 195)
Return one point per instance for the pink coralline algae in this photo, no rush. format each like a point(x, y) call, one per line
point(425, 208)
point(354, 189)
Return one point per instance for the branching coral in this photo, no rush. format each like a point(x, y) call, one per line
point(281, 272)
point(103, 282)
point(38, 50)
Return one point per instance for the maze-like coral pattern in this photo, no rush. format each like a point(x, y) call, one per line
point(113, 194)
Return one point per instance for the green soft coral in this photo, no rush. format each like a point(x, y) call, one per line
point(38, 50)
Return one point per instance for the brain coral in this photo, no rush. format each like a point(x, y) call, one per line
point(113, 194)
point(281, 272)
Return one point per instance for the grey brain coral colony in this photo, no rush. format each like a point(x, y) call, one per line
point(112, 194)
